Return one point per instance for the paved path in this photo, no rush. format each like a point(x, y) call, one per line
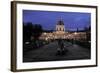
point(48, 52)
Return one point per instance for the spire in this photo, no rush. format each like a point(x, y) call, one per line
point(60, 18)
point(60, 22)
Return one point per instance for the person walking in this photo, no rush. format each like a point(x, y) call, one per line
point(60, 50)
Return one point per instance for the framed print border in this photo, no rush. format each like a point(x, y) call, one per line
point(14, 34)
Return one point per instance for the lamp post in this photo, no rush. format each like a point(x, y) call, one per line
point(75, 37)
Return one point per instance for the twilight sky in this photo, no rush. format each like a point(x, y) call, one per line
point(49, 19)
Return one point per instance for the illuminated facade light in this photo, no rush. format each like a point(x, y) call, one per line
point(60, 33)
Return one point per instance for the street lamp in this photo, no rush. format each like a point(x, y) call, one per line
point(75, 33)
point(75, 37)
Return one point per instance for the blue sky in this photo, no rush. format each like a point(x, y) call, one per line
point(49, 19)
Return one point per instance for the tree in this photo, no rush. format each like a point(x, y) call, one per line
point(88, 33)
point(37, 31)
point(27, 31)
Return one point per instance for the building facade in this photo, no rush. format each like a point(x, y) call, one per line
point(60, 33)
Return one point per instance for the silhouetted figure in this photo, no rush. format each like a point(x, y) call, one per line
point(60, 50)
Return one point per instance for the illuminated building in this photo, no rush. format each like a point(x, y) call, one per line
point(60, 33)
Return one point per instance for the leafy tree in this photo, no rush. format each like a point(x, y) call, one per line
point(37, 31)
point(27, 30)
point(32, 31)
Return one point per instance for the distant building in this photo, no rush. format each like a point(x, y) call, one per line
point(60, 28)
point(60, 33)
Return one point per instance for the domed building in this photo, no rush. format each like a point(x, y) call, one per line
point(60, 28)
point(61, 33)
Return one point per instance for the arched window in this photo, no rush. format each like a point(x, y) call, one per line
point(62, 29)
point(59, 29)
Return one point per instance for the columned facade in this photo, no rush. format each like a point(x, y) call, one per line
point(60, 33)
